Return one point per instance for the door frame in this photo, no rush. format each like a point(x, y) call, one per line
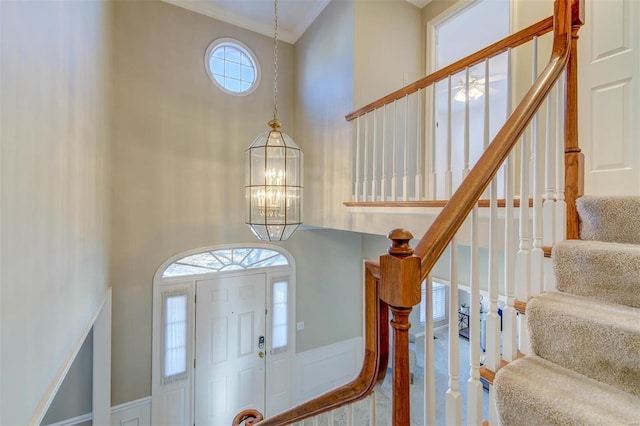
point(182, 395)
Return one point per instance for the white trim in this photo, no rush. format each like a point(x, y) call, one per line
point(212, 10)
point(419, 3)
point(432, 30)
point(74, 421)
point(131, 413)
point(127, 411)
point(243, 48)
point(322, 369)
point(142, 402)
point(101, 392)
point(50, 394)
point(161, 284)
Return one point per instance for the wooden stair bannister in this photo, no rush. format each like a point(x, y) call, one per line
point(394, 282)
point(373, 369)
point(400, 289)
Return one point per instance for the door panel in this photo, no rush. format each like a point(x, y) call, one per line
point(230, 373)
point(609, 68)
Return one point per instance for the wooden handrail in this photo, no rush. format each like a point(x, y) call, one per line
point(516, 39)
point(447, 223)
point(373, 370)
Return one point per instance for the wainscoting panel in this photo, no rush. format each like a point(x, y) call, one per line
point(322, 369)
point(134, 413)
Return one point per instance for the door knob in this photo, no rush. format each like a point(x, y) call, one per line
point(261, 354)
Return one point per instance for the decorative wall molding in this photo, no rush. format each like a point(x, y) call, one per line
point(133, 413)
point(324, 368)
point(74, 421)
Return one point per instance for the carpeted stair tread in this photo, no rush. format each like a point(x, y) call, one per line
point(533, 391)
point(598, 339)
point(601, 270)
point(611, 219)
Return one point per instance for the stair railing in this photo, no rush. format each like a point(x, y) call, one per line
point(395, 282)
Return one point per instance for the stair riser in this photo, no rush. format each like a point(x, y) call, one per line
point(593, 344)
point(603, 271)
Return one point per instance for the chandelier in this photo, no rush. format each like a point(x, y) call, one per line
point(273, 164)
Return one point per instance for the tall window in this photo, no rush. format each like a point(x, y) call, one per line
point(174, 336)
point(280, 323)
point(439, 301)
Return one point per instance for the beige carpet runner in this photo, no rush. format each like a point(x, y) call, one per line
point(584, 366)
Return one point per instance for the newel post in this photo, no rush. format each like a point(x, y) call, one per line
point(573, 156)
point(400, 289)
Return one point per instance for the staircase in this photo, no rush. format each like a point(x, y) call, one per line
point(584, 365)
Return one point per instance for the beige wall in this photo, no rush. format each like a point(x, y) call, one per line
point(323, 96)
point(178, 179)
point(54, 190)
point(388, 44)
point(178, 160)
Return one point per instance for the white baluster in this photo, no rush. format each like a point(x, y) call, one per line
point(492, 323)
point(548, 207)
point(465, 167)
point(561, 205)
point(432, 153)
point(350, 414)
point(383, 181)
point(356, 190)
point(509, 314)
point(330, 420)
point(372, 409)
point(487, 110)
point(394, 171)
point(429, 360)
point(537, 255)
point(405, 166)
point(374, 158)
point(315, 421)
point(365, 166)
point(523, 260)
point(474, 386)
point(419, 142)
point(448, 178)
point(453, 397)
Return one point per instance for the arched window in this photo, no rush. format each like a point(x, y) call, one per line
point(225, 260)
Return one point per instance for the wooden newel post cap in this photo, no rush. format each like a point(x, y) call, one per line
point(400, 242)
point(400, 272)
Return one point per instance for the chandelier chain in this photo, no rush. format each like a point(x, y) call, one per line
point(275, 60)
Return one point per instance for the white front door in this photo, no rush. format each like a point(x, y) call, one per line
point(230, 348)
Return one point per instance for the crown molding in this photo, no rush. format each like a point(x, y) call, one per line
point(419, 3)
point(212, 10)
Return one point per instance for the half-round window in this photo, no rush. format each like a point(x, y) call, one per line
point(225, 260)
point(232, 66)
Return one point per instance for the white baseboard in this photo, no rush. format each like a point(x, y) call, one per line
point(134, 413)
point(322, 369)
point(74, 421)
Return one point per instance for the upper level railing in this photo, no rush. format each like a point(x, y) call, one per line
point(542, 129)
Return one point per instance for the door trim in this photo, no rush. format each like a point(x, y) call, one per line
point(174, 403)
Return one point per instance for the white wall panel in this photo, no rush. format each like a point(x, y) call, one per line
point(322, 369)
point(609, 97)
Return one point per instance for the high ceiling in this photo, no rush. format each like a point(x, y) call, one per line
point(294, 16)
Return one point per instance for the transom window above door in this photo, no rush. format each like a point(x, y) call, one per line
point(225, 260)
